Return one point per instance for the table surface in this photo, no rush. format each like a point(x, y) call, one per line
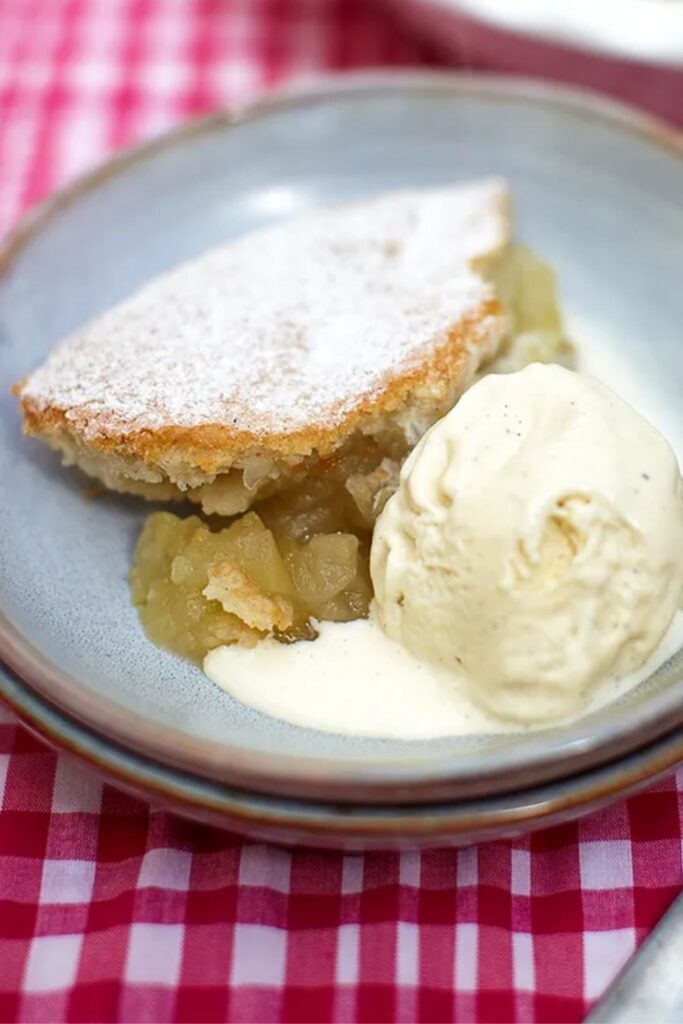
point(110, 910)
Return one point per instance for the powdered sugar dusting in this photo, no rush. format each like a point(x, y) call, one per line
point(285, 327)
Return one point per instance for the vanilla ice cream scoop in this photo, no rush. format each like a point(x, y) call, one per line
point(535, 544)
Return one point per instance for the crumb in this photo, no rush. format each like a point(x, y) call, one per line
point(93, 492)
point(240, 596)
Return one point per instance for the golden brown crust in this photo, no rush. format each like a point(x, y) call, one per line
point(212, 448)
point(228, 375)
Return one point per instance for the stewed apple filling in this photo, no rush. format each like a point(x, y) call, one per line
point(302, 556)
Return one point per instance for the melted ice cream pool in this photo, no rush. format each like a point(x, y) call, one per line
point(354, 680)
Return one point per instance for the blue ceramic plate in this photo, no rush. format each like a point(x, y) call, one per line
point(350, 826)
point(599, 191)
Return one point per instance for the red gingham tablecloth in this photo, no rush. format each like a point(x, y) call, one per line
point(112, 911)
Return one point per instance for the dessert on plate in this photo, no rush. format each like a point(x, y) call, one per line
point(278, 383)
point(290, 371)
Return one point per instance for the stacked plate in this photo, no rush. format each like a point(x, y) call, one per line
point(77, 666)
point(630, 48)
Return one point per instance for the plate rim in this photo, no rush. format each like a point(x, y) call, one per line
point(321, 824)
point(369, 779)
point(318, 88)
point(583, 26)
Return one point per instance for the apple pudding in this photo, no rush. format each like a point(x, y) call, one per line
point(277, 384)
point(302, 555)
